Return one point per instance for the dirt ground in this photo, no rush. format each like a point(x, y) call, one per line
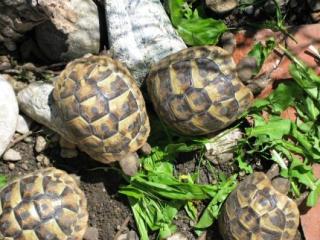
point(108, 210)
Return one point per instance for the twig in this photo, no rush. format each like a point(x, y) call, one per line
point(122, 227)
point(18, 139)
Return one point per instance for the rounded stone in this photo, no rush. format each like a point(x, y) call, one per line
point(8, 113)
point(12, 155)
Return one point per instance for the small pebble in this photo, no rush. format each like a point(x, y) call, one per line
point(40, 158)
point(46, 161)
point(24, 166)
point(12, 155)
point(28, 139)
point(316, 16)
point(11, 166)
point(41, 144)
point(177, 236)
point(92, 233)
point(4, 63)
point(23, 124)
point(131, 235)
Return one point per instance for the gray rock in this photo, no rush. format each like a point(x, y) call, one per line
point(41, 144)
point(23, 124)
point(71, 32)
point(11, 155)
point(221, 6)
point(18, 17)
point(8, 113)
point(17, 85)
point(35, 102)
point(140, 34)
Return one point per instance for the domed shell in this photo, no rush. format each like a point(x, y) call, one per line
point(196, 91)
point(46, 204)
point(255, 210)
point(101, 108)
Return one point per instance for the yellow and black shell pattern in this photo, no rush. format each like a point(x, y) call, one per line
point(46, 204)
point(255, 210)
point(196, 91)
point(102, 108)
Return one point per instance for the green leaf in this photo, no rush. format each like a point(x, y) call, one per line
point(313, 196)
point(309, 108)
point(260, 52)
point(275, 128)
point(284, 96)
point(211, 213)
point(194, 29)
point(191, 210)
point(3, 180)
point(243, 165)
point(197, 32)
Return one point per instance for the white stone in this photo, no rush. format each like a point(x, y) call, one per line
point(11, 155)
point(140, 34)
point(23, 124)
point(8, 113)
point(221, 6)
point(35, 102)
point(11, 166)
point(41, 144)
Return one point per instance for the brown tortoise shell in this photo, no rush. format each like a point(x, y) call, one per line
point(257, 211)
point(102, 108)
point(196, 91)
point(46, 204)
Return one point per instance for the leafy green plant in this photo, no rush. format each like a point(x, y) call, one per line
point(194, 28)
point(156, 194)
point(293, 145)
point(260, 52)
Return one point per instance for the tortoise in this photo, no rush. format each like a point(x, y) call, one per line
point(102, 110)
point(259, 208)
point(45, 204)
point(197, 91)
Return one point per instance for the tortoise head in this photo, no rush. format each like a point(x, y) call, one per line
point(281, 184)
point(246, 67)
